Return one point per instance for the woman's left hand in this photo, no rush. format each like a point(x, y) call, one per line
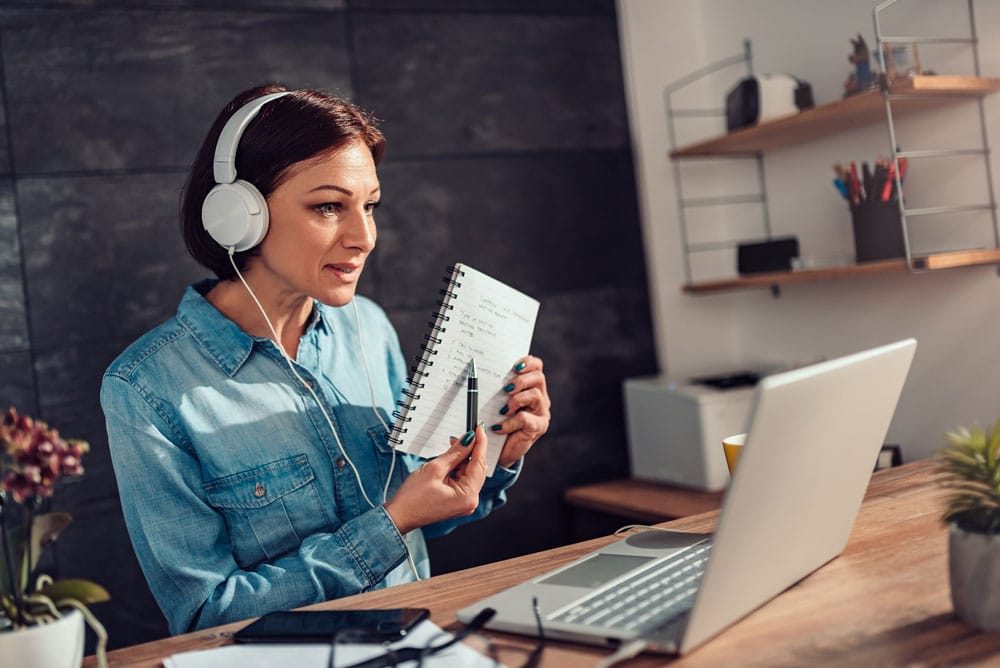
point(526, 414)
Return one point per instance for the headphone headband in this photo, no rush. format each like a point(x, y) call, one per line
point(224, 165)
point(234, 212)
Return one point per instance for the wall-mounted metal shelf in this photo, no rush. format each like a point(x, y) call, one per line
point(866, 108)
point(893, 99)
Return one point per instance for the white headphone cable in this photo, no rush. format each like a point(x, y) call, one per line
point(371, 390)
point(319, 403)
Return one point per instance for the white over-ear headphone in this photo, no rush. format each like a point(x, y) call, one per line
point(234, 212)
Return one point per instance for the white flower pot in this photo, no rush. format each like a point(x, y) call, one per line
point(58, 644)
point(974, 570)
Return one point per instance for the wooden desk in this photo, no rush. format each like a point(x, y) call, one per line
point(642, 501)
point(883, 602)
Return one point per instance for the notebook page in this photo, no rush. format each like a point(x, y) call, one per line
point(491, 322)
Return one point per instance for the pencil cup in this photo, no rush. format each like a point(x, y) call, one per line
point(878, 234)
point(733, 446)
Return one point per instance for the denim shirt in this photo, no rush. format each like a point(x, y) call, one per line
point(237, 498)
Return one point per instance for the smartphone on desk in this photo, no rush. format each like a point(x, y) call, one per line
point(320, 626)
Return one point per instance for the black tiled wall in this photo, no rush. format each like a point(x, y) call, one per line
point(508, 150)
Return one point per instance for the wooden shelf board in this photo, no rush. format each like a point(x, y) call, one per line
point(851, 112)
point(946, 85)
point(642, 500)
point(929, 262)
point(950, 260)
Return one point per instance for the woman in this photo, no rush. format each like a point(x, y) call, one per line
point(251, 482)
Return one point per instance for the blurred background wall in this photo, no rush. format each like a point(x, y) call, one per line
point(508, 150)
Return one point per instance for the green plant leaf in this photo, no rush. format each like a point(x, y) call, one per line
point(960, 435)
point(81, 590)
point(993, 445)
point(45, 529)
point(958, 457)
point(15, 541)
point(7, 606)
point(968, 467)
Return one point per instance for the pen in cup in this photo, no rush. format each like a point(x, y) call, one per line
point(855, 186)
point(890, 182)
point(841, 187)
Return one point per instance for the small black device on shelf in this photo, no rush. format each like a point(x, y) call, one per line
point(766, 256)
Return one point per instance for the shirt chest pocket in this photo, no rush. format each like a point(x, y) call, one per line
point(270, 509)
point(390, 461)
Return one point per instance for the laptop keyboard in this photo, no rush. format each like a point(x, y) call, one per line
point(647, 599)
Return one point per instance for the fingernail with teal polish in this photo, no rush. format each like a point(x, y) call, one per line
point(503, 411)
point(519, 366)
point(496, 427)
point(508, 387)
point(469, 435)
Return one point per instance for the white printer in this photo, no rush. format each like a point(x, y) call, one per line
point(675, 429)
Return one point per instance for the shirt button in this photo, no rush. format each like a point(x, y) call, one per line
point(340, 462)
point(259, 490)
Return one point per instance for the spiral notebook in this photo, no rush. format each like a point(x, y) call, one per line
point(478, 317)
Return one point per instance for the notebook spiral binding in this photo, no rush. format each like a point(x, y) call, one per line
point(420, 369)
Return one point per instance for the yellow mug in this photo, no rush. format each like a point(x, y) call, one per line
point(733, 446)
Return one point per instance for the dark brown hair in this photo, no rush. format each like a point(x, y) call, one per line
point(286, 131)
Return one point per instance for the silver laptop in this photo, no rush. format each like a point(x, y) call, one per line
point(814, 435)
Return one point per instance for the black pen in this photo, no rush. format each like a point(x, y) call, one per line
point(869, 180)
point(472, 403)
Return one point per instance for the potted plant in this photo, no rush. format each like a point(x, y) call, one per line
point(41, 620)
point(969, 469)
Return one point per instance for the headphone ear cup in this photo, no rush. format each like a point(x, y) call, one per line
point(235, 215)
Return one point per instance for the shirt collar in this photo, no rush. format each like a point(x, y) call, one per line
point(316, 320)
point(221, 338)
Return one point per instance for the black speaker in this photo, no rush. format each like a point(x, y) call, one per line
point(764, 256)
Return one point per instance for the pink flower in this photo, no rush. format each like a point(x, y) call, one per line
point(34, 457)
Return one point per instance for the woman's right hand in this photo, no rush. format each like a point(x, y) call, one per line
point(445, 487)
